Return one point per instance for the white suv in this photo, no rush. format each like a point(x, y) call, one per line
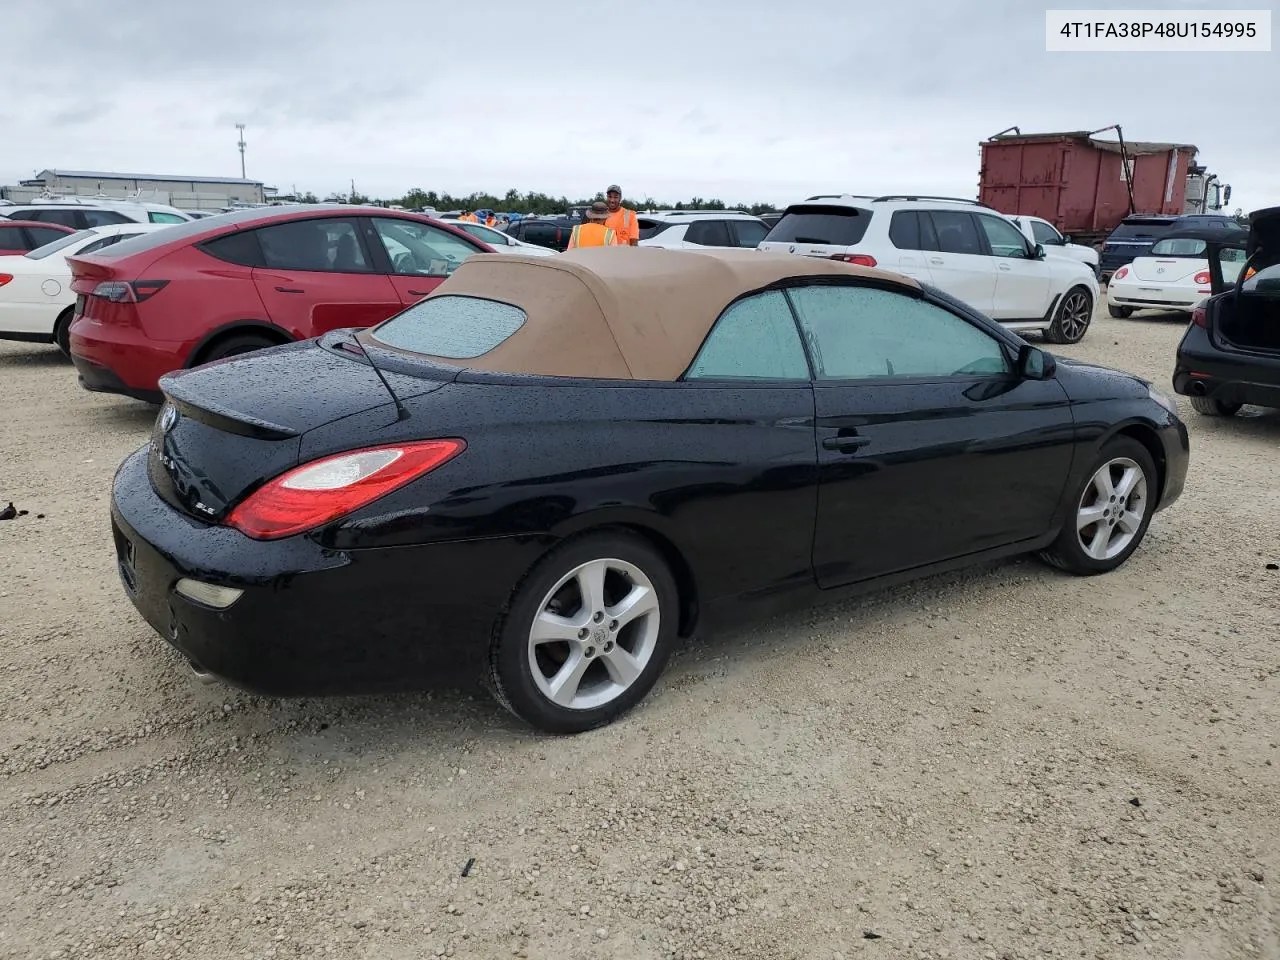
point(1043, 232)
point(699, 229)
point(95, 212)
point(960, 246)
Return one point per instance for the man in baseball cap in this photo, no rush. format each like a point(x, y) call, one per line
point(621, 220)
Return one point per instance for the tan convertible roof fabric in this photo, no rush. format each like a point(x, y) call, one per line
point(622, 312)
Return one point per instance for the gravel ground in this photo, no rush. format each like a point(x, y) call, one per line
point(1004, 763)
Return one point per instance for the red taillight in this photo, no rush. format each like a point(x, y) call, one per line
point(1121, 273)
point(860, 259)
point(5, 278)
point(1199, 316)
point(117, 291)
point(323, 490)
point(1201, 278)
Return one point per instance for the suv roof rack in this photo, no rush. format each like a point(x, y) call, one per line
point(840, 196)
point(925, 196)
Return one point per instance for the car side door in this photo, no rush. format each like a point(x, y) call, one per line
point(1023, 280)
point(930, 446)
point(744, 436)
point(960, 265)
point(911, 234)
point(318, 274)
point(417, 256)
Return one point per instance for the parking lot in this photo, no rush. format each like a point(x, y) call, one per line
point(1009, 762)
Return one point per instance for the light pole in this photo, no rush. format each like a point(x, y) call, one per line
point(240, 127)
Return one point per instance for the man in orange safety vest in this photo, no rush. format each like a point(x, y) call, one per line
point(592, 232)
point(621, 220)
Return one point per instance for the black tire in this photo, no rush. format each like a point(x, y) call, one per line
point(1072, 317)
point(1120, 313)
point(1214, 408)
point(513, 662)
point(234, 347)
point(62, 331)
point(1067, 552)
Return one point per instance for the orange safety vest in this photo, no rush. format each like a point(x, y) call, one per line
point(592, 235)
point(623, 222)
point(469, 218)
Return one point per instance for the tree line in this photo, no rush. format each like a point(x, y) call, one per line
point(513, 201)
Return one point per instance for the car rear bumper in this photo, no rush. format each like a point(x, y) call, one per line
point(311, 620)
point(1150, 296)
point(1202, 370)
point(122, 360)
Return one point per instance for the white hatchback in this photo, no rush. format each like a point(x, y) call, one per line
point(1173, 276)
point(36, 299)
point(959, 246)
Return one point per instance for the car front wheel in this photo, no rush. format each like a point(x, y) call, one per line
point(1072, 317)
point(586, 634)
point(1109, 512)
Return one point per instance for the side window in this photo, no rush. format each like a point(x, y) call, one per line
point(242, 248)
point(1231, 262)
point(749, 233)
point(543, 234)
point(103, 218)
point(754, 339)
point(904, 230)
point(42, 235)
point(419, 250)
point(99, 244)
point(324, 246)
point(866, 333)
point(956, 231)
point(1005, 239)
point(709, 233)
point(159, 216)
point(1045, 234)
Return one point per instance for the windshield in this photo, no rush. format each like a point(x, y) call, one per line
point(39, 253)
point(837, 226)
point(1181, 247)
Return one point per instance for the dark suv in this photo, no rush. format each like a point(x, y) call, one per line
point(550, 232)
point(1132, 238)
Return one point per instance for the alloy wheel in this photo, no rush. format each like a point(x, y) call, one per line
point(594, 633)
point(1076, 314)
point(1112, 509)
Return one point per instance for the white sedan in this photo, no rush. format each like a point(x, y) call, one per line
point(1173, 276)
point(36, 299)
point(500, 242)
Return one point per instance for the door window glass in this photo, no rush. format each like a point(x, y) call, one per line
point(323, 246)
point(956, 231)
point(749, 232)
point(1005, 239)
point(904, 230)
point(708, 233)
point(103, 218)
point(419, 250)
point(862, 333)
point(1045, 234)
point(755, 338)
point(43, 235)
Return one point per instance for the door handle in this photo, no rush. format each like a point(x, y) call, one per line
point(937, 261)
point(418, 293)
point(844, 444)
point(1005, 267)
point(289, 290)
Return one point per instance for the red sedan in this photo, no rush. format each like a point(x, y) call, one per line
point(22, 236)
point(213, 288)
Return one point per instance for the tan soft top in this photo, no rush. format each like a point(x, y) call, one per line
point(622, 313)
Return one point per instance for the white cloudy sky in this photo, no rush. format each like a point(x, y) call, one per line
point(740, 99)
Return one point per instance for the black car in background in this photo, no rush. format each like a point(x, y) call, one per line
point(560, 466)
point(550, 232)
point(1230, 353)
point(1132, 238)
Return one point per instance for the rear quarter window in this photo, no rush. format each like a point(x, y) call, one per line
point(453, 327)
point(651, 228)
point(832, 225)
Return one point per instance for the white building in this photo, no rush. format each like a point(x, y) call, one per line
point(186, 193)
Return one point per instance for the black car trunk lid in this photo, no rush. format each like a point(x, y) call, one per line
point(228, 427)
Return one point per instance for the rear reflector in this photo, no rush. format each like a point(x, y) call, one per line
point(1201, 278)
point(1121, 273)
point(5, 278)
point(316, 493)
point(1200, 318)
point(860, 259)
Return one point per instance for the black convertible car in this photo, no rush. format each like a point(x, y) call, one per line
point(550, 469)
point(1230, 354)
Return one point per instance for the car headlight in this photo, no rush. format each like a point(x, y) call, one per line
point(1166, 401)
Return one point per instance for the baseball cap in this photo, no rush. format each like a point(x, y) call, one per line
point(614, 188)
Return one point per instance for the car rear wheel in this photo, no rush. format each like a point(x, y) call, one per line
point(62, 331)
point(234, 346)
point(1109, 512)
point(1120, 313)
point(1072, 317)
point(586, 634)
point(1215, 408)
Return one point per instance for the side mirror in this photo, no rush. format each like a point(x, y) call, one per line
point(1039, 251)
point(1035, 364)
point(1066, 239)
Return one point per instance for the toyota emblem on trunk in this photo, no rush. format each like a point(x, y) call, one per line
point(168, 419)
